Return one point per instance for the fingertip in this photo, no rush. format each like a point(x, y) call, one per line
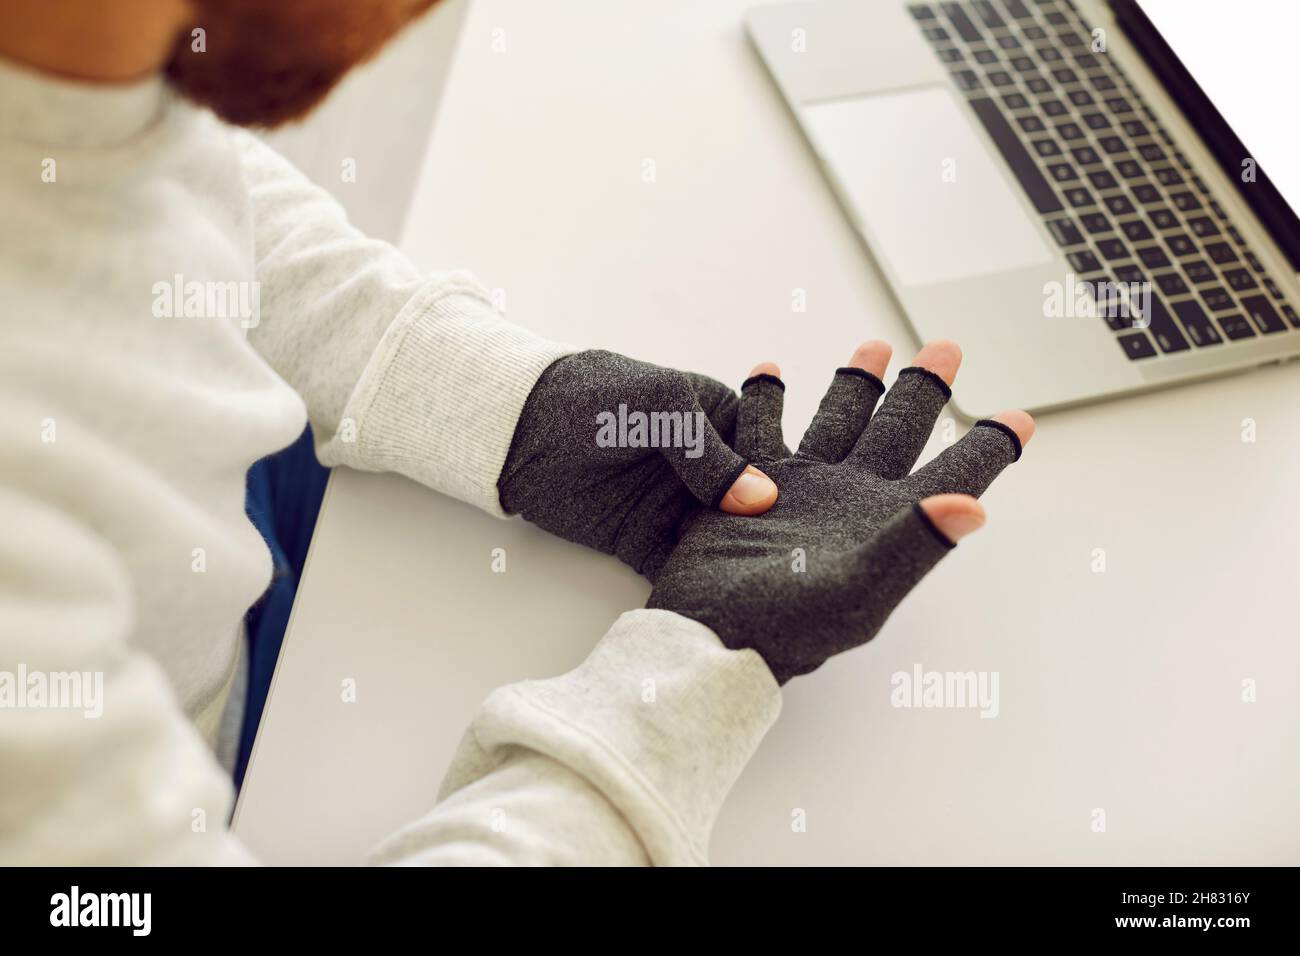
point(942, 357)
point(955, 515)
point(751, 494)
point(872, 356)
point(1022, 423)
point(765, 368)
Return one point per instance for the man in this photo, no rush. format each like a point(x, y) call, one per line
point(180, 301)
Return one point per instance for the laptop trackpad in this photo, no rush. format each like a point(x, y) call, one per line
point(932, 196)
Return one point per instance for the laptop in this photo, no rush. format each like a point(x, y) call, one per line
point(1065, 187)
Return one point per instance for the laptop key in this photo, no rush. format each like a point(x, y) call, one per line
point(1220, 252)
point(921, 11)
point(1153, 257)
point(1112, 249)
point(1118, 104)
point(988, 14)
point(951, 55)
point(961, 23)
point(1065, 232)
point(1163, 219)
point(1034, 33)
point(1017, 158)
point(1081, 98)
point(1187, 202)
point(1103, 83)
point(1218, 299)
point(1240, 279)
point(1130, 169)
point(1252, 260)
point(1018, 10)
point(1031, 124)
point(1086, 61)
point(1198, 325)
point(1008, 42)
point(1078, 197)
point(1000, 78)
point(1199, 271)
point(1113, 144)
point(985, 57)
point(1151, 153)
point(1136, 230)
point(1119, 205)
point(1235, 327)
point(1037, 85)
point(1171, 283)
point(1180, 245)
point(1262, 313)
point(1095, 222)
point(1096, 121)
point(1063, 172)
point(1203, 226)
point(1069, 131)
point(1136, 345)
point(1165, 330)
point(966, 80)
point(1145, 193)
point(1130, 275)
point(1292, 315)
point(1085, 155)
point(1272, 288)
point(1169, 176)
point(1049, 54)
point(1103, 180)
point(1023, 64)
point(1135, 128)
point(1083, 261)
point(1053, 107)
point(1046, 147)
point(1065, 75)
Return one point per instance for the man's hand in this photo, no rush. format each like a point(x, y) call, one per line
point(614, 454)
point(854, 530)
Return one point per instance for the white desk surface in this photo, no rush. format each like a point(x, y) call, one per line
point(1120, 690)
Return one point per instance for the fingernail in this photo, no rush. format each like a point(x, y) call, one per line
point(752, 489)
point(957, 526)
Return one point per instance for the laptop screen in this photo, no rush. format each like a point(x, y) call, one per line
point(1231, 68)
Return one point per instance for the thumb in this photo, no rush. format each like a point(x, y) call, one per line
point(954, 516)
point(714, 473)
point(750, 494)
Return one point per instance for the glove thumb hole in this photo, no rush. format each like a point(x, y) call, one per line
point(953, 516)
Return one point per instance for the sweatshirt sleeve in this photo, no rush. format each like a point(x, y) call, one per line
point(400, 371)
point(625, 760)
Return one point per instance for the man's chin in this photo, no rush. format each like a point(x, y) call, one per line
point(268, 62)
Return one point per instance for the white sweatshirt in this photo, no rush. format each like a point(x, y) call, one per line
point(129, 416)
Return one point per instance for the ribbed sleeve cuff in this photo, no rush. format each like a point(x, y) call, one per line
point(442, 394)
point(661, 718)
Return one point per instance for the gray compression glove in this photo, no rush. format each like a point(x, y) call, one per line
point(821, 571)
point(627, 498)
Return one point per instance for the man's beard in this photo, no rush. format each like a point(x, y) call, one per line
point(265, 62)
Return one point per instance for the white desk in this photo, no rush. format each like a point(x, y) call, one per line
point(1120, 690)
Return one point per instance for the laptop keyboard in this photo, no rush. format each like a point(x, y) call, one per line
point(1110, 182)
